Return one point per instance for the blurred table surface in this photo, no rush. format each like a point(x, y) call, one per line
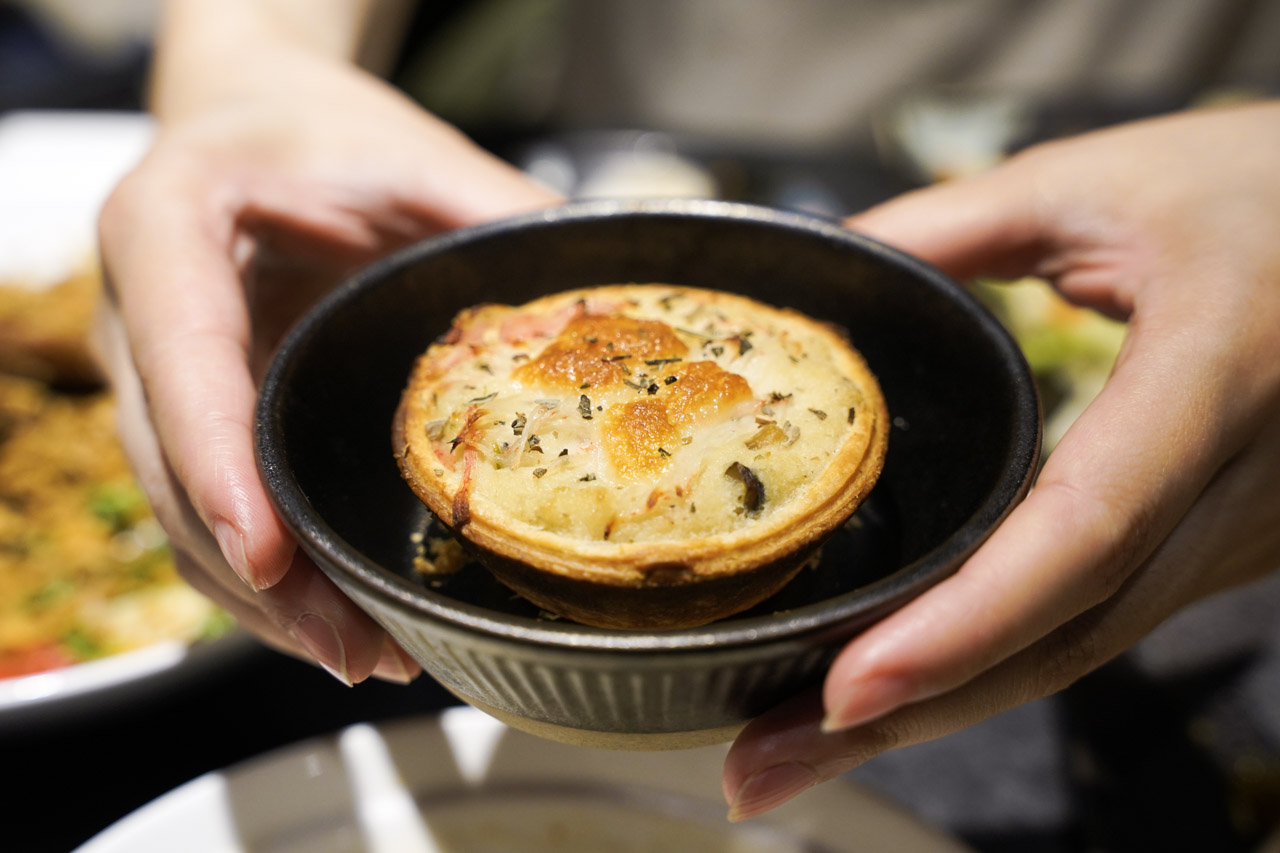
point(1134, 757)
point(74, 777)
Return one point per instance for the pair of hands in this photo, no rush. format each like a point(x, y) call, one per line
point(247, 207)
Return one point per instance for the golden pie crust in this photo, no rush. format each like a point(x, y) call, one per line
point(641, 456)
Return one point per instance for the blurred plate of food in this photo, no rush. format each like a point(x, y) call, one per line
point(462, 781)
point(90, 598)
point(91, 605)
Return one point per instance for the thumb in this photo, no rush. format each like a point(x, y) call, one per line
point(985, 224)
point(474, 187)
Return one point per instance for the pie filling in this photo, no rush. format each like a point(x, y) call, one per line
point(634, 413)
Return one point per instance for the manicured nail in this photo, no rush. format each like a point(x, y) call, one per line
point(771, 787)
point(231, 543)
point(395, 665)
point(864, 701)
point(321, 640)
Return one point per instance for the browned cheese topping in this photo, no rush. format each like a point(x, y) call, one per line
point(633, 412)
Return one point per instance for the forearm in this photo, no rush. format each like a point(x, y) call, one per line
point(211, 52)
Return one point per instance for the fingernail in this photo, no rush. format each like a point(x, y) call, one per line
point(771, 787)
point(322, 641)
point(231, 543)
point(865, 701)
point(394, 665)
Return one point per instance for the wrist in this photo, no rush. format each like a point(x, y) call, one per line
point(209, 54)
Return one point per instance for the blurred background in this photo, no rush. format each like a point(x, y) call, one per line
point(1176, 746)
point(63, 54)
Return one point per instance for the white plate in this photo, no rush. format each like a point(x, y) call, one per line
point(59, 695)
point(464, 783)
point(57, 169)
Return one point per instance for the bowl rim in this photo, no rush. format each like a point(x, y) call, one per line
point(802, 623)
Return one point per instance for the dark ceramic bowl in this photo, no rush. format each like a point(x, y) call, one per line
point(963, 451)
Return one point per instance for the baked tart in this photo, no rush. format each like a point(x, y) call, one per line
point(641, 456)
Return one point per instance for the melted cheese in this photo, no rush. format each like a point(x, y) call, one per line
point(599, 352)
point(628, 413)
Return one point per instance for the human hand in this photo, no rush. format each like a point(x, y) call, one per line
point(283, 171)
point(1162, 492)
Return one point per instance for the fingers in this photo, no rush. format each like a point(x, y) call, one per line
point(319, 618)
point(1119, 481)
point(786, 751)
point(990, 223)
point(170, 237)
point(778, 756)
point(355, 648)
point(433, 181)
point(236, 600)
point(465, 185)
point(184, 311)
point(324, 622)
point(395, 664)
point(1011, 222)
point(317, 628)
point(1071, 579)
point(1151, 501)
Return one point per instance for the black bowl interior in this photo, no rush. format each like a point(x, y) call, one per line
point(962, 449)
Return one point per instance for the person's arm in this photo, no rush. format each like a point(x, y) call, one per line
point(278, 166)
point(1163, 492)
point(196, 65)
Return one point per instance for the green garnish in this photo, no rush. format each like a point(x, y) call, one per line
point(118, 504)
point(81, 645)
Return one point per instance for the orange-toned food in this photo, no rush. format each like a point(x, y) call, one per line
point(641, 455)
point(85, 570)
point(44, 332)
